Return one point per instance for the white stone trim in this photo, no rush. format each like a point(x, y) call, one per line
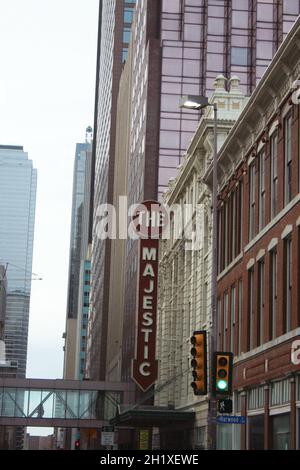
point(272, 223)
point(274, 127)
point(231, 265)
point(287, 231)
point(260, 146)
point(260, 349)
point(260, 255)
point(278, 410)
point(298, 222)
point(250, 264)
point(250, 160)
point(257, 411)
point(273, 243)
point(287, 107)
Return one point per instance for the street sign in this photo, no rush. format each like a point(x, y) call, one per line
point(108, 428)
point(107, 438)
point(231, 419)
point(145, 365)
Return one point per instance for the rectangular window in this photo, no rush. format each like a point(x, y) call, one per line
point(220, 232)
point(200, 438)
point(262, 190)
point(230, 228)
point(233, 320)
point(240, 316)
point(274, 174)
point(240, 55)
point(273, 293)
point(251, 201)
point(261, 302)
point(255, 399)
point(288, 158)
point(239, 218)
point(219, 306)
point(280, 432)
point(288, 283)
point(128, 15)
point(225, 325)
point(256, 432)
point(250, 307)
point(298, 289)
point(234, 246)
point(126, 35)
point(226, 225)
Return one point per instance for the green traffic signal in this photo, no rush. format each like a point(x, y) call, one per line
point(222, 373)
point(222, 385)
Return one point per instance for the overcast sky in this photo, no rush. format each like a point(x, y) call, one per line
point(47, 85)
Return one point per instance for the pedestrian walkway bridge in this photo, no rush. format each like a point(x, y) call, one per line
point(60, 403)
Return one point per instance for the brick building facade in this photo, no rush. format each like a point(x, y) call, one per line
point(259, 259)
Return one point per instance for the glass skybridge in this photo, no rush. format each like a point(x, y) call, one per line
point(55, 403)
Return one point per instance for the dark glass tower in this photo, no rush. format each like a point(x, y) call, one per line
point(179, 47)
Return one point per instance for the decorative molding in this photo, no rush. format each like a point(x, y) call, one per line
point(260, 255)
point(287, 70)
point(250, 160)
point(271, 344)
point(273, 243)
point(250, 264)
point(273, 222)
point(273, 127)
point(279, 410)
point(260, 145)
point(287, 231)
point(286, 109)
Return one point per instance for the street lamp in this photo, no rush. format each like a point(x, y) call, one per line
point(194, 102)
point(197, 103)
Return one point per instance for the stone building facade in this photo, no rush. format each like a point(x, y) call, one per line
point(185, 269)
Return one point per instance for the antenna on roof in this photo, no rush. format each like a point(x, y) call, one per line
point(89, 135)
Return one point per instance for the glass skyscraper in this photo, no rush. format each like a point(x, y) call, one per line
point(76, 227)
point(201, 39)
point(18, 180)
point(79, 229)
point(179, 47)
point(2, 301)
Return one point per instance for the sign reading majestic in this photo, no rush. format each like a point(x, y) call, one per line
point(150, 219)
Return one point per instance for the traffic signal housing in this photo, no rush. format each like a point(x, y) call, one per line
point(225, 405)
point(199, 362)
point(222, 373)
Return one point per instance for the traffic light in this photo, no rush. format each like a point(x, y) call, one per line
point(222, 373)
point(199, 362)
point(77, 444)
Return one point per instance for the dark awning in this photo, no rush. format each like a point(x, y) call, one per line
point(158, 416)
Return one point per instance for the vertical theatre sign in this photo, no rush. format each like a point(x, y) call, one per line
point(149, 219)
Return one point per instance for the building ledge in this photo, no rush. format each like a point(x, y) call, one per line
point(157, 416)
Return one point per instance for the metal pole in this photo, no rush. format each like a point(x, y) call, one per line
point(212, 414)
